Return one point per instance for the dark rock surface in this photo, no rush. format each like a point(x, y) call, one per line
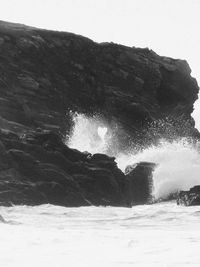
point(139, 182)
point(39, 168)
point(44, 75)
point(189, 198)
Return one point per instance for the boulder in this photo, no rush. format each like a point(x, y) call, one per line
point(189, 198)
point(139, 182)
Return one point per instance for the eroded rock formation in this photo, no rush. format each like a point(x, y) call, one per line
point(139, 182)
point(46, 74)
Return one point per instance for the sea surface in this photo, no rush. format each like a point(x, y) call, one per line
point(161, 235)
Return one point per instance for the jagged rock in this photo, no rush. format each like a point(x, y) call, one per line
point(189, 198)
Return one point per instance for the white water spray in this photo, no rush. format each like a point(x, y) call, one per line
point(178, 165)
point(178, 161)
point(89, 134)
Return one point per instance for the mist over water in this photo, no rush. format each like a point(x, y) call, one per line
point(178, 160)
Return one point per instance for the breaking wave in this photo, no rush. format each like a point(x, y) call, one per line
point(178, 165)
point(89, 134)
point(178, 159)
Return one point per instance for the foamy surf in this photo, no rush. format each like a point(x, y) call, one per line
point(148, 235)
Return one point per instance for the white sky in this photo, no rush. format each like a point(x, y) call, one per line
point(169, 27)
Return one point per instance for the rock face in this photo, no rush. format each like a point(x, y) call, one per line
point(139, 182)
point(189, 198)
point(44, 75)
point(39, 168)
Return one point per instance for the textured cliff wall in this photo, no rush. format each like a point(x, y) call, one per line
point(43, 76)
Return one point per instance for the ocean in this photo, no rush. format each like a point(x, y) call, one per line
point(162, 234)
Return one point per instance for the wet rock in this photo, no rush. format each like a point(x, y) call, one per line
point(20, 193)
point(28, 82)
point(189, 198)
point(58, 194)
point(139, 182)
point(44, 167)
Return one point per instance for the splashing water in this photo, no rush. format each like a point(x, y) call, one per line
point(178, 165)
point(178, 161)
point(102, 132)
point(88, 134)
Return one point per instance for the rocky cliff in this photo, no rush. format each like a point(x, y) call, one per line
point(44, 75)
